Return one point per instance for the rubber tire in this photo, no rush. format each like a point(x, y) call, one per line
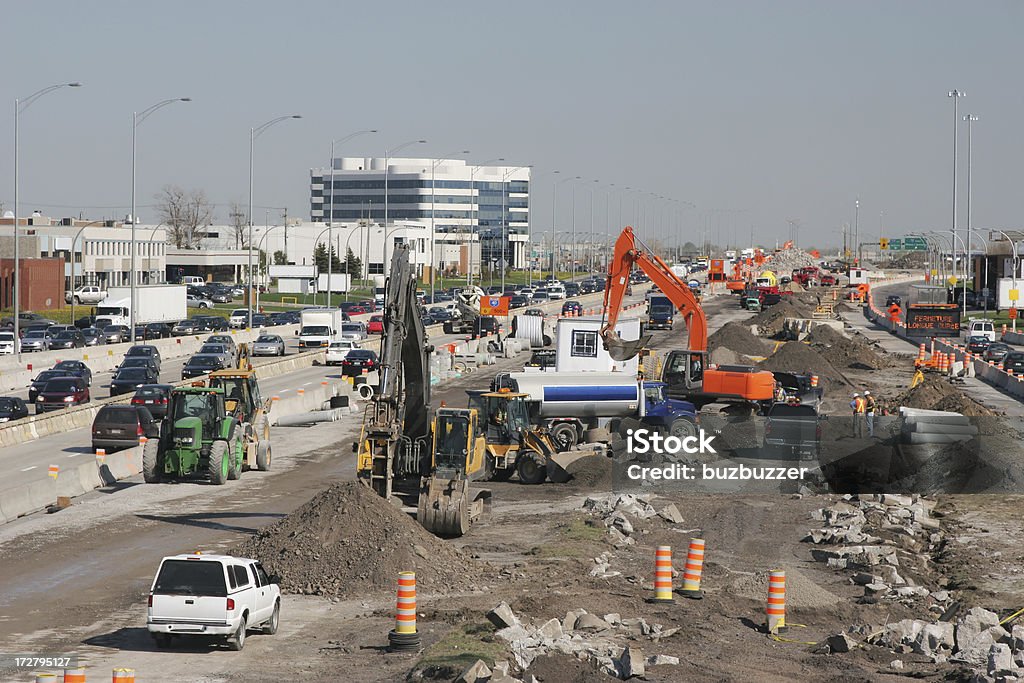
point(530, 468)
point(218, 466)
point(261, 430)
point(151, 462)
point(234, 462)
point(237, 641)
point(270, 628)
point(564, 435)
point(682, 428)
point(264, 455)
point(495, 474)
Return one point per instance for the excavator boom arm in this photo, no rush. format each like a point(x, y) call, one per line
point(627, 254)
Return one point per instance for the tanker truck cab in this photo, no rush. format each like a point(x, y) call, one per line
point(671, 416)
point(218, 596)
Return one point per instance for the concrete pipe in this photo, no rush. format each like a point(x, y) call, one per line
point(309, 418)
point(365, 392)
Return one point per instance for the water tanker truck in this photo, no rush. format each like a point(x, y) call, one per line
point(568, 404)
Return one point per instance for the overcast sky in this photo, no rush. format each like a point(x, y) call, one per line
point(756, 112)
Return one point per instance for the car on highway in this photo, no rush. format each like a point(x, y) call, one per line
point(85, 321)
point(358, 360)
point(220, 350)
point(192, 301)
point(337, 350)
point(556, 291)
point(239, 318)
point(7, 346)
point(145, 350)
point(225, 339)
point(76, 368)
point(574, 308)
point(486, 325)
point(40, 380)
point(214, 323)
point(62, 392)
point(12, 408)
point(156, 331)
point(201, 364)
point(540, 296)
point(572, 289)
point(268, 345)
point(518, 301)
point(154, 397)
point(35, 340)
point(67, 339)
point(542, 358)
point(212, 595)
point(261, 320)
point(538, 312)
point(893, 299)
point(978, 344)
point(30, 318)
point(1014, 361)
point(996, 351)
point(286, 318)
point(121, 426)
point(354, 330)
point(127, 380)
point(185, 328)
point(115, 334)
point(375, 325)
point(439, 315)
point(981, 328)
point(93, 336)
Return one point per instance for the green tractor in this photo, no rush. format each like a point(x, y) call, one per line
point(198, 438)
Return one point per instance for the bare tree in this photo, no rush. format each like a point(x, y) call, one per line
point(186, 215)
point(238, 225)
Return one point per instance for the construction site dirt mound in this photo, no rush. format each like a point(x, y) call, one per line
point(800, 358)
point(801, 591)
point(737, 337)
point(936, 393)
point(846, 352)
point(591, 474)
point(349, 542)
point(769, 321)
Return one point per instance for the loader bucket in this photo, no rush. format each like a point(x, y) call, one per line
point(558, 463)
point(446, 508)
point(623, 349)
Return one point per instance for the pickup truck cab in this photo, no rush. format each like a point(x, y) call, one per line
point(212, 595)
point(88, 294)
point(795, 427)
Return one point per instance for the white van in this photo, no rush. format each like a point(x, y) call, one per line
point(193, 280)
point(981, 328)
point(354, 330)
point(212, 595)
point(556, 290)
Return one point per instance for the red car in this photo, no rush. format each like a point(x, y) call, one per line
point(356, 310)
point(376, 324)
point(62, 392)
point(369, 305)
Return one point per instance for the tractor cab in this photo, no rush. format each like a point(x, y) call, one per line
point(504, 414)
point(241, 392)
point(196, 414)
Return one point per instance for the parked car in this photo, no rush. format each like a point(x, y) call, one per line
point(76, 368)
point(185, 328)
point(115, 334)
point(978, 344)
point(220, 350)
point(261, 320)
point(220, 296)
point(121, 426)
point(1014, 361)
point(67, 339)
point(154, 397)
point(353, 330)
point(62, 392)
point(358, 360)
point(7, 346)
point(93, 336)
point(40, 380)
point(238, 319)
point(226, 595)
point(376, 324)
point(12, 408)
point(338, 350)
point(268, 345)
point(157, 331)
point(198, 302)
point(146, 351)
point(996, 351)
point(213, 323)
point(201, 365)
point(89, 294)
point(572, 308)
point(35, 340)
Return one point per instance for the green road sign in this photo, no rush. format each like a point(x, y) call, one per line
point(913, 244)
point(895, 244)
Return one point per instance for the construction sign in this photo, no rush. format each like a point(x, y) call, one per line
point(494, 305)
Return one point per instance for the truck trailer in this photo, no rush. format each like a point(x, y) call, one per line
point(319, 327)
point(153, 304)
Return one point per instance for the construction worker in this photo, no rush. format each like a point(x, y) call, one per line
point(858, 406)
point(780, 392)
point(869, 413)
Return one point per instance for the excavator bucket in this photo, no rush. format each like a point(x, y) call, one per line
point(447, 508)
point(623, 349)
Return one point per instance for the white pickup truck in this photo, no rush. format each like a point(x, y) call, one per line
point(88, 294)
point(212, 595)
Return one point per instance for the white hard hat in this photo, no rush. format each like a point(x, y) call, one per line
point(856, 395)
point(866, 392)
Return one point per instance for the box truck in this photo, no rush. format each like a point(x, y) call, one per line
point(319, 327)
point(153, 304)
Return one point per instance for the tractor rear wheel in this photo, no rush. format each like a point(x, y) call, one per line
point(234, 458)
point(218, 466)
point(531, 467)
point(151, 461)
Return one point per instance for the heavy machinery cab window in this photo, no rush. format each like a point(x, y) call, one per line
point(688, 365)
point(653, 395)
point(452, 435)
point(190, 577)
point(198, 405)
point(584, 344)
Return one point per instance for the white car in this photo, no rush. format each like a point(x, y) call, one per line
point(198, 302)
point(354, 330)
point(212, 595)
point(6, 343)
point(239, 318)
point(337, 351)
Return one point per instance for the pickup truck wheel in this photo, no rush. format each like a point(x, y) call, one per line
point(218, 465)
point(564, 435)
point(237, 641)
point(683, 428)
point(151, 461)
point(271, 626)
point(77, 301)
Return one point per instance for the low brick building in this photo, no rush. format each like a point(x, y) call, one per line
point(42, 283)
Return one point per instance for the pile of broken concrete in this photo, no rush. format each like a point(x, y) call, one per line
point(600, 641)
point(620, 512)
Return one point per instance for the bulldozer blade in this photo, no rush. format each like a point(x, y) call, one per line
point(558, 463)
point(445, 508)
point(624, 349)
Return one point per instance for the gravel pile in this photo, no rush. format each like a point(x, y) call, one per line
point(800, 590)
point(349, 542)
point(846, 352)
point(769, 321)
point(936, 393)
point(737, 337)
point(800, 358)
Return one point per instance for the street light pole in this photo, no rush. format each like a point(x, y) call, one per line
point(253, 134)
point(970, 119)
point(956, 95)
point(138, 118)
point(20, 106)
point(330, 217)
point(856, 229)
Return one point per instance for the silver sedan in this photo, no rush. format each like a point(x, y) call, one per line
point(268, 345)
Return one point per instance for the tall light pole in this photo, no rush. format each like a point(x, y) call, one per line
point(955, 95)
point(387, 167)
point(856, 229)
point(253, 134)
point(330, 217)
point(21, 105)
point(504, 220)
point(138, 118)
point(433, 248)
point(970, 119)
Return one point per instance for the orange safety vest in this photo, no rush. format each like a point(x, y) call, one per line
point(859, 406)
